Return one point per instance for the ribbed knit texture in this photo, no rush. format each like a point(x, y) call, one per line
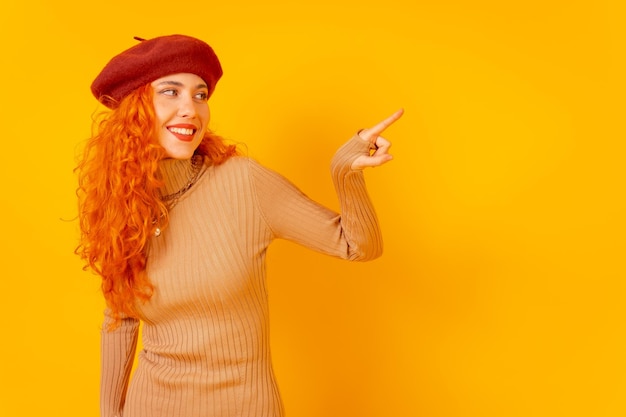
point(206, 331)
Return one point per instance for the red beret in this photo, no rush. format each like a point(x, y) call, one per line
point(152, 59)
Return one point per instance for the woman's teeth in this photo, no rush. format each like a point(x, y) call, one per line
point(181, 130)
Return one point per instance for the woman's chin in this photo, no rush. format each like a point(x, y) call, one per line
point(179, 152)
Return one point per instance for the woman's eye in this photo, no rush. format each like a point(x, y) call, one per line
point(202, 96)
point(169, 92)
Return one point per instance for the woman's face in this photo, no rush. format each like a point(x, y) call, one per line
point(182, 113)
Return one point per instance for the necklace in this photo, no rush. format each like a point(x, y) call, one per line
point(170, 200)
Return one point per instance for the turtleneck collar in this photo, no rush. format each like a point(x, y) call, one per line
point(176, 173)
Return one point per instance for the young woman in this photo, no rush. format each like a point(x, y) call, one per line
point(177, 225)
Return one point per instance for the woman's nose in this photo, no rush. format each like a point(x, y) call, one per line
point(186, 107)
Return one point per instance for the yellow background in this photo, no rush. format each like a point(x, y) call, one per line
point(501, 291)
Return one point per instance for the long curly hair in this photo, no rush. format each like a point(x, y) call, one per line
point(118, 195)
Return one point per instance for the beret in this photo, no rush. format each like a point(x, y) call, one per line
point(152, 59)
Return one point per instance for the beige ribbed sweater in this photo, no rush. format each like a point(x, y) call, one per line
point(205, 330)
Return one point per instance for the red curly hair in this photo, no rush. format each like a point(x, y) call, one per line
point(118, 194)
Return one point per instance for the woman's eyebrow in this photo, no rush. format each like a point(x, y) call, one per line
point(179, 84)
point(176, 83)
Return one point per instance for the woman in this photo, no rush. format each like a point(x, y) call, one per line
point(177, 224)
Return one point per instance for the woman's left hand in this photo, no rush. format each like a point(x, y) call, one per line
point(378, 144)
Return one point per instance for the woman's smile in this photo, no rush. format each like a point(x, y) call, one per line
point(184, 132)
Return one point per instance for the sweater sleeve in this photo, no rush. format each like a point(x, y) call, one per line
point(117, 356)
point(290, 214)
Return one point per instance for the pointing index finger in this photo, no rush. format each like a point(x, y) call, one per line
point(381, 126)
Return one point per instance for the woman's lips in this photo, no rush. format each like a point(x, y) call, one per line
point(183, 132)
